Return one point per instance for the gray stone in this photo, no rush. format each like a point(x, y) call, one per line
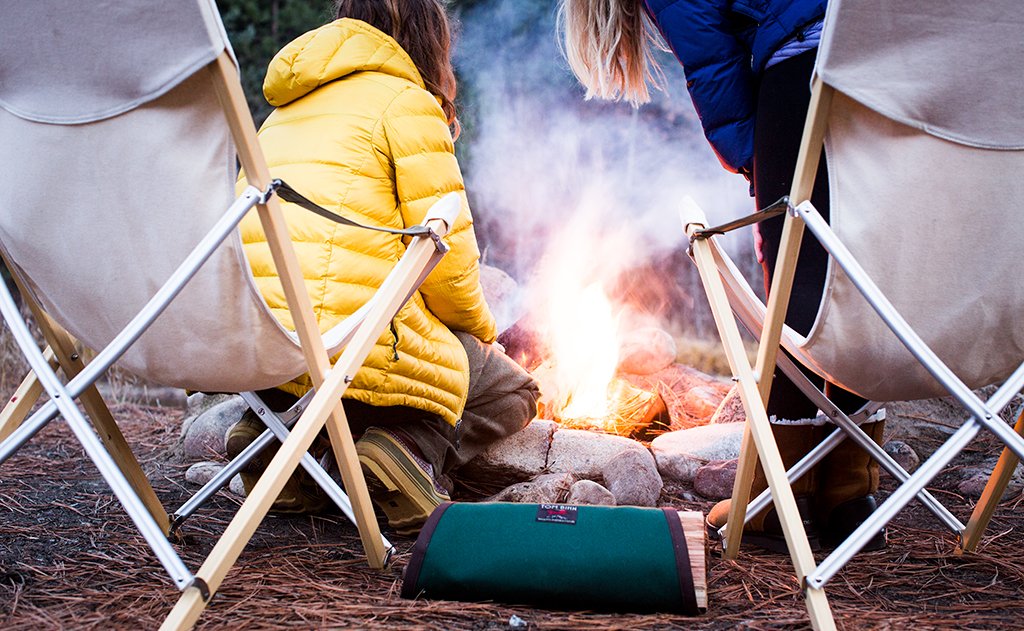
point(903, 454)
point(202, 472)
point(584, 453)
point(503, 296)
point(590, 493)
point(715, 479)
point(199, 402)
point(646, 350)
point(236, 486)
point(730, 410)
point(680, 454)
point(204, 437)
point(924, 424)
point(974, 480)
point(550, 488)
point(633, 479)
point(521, 456)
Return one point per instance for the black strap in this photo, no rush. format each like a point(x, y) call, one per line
point(411, 577)
point(773, 210)
point(289, 194)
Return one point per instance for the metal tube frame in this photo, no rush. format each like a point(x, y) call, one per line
point(277, 428)
point(62, 397)
point(64, 402)
point(142, 320)
point(847, 427)
point(983, 413)
point(850, 428)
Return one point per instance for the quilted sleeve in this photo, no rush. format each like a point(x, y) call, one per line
point(425, 168)
point(718, 74)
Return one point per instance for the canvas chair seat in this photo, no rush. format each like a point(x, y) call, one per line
point(917, 109)
point(218, 335)
point(925, 191)
point(125, 125)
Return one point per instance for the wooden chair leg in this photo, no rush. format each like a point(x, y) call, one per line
point(70, 359)
point(818, 608)
point(991, 495)
point(18, 406)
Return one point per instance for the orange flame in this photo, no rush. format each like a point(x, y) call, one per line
point(585, 352)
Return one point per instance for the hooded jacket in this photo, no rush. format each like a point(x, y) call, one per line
point(724, 46)
point(356, 131)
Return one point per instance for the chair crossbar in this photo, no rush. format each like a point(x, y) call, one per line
point(62, 399)
point(105, 358)
point(847, 426)
point(981, 411)
point(277, 430)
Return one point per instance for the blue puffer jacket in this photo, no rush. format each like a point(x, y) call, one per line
point(723, 46)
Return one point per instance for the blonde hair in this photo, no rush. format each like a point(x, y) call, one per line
point(608, 44)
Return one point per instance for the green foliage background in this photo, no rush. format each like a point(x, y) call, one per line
point(258, 29)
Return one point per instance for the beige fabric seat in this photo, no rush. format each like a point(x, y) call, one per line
point(123, 124)
point(921, 115)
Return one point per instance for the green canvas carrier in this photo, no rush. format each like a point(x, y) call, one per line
point(561, 556)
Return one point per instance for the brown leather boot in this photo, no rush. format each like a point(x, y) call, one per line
point(847, 482)
point(764, 529)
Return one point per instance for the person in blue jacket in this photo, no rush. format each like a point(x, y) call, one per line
point(748, 66)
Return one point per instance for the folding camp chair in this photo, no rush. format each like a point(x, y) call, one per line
point(121, 125)
point(923, 129)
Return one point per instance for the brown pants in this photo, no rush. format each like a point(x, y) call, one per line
point(502, 400)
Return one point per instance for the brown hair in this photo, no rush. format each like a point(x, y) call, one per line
point(608, 44)
point(422, 29)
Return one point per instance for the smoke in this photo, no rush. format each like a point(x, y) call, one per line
point(553, 177)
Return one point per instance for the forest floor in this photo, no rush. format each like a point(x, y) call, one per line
point(70, 558)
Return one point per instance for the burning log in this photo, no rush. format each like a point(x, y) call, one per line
point(690, 396)
point(630, 410)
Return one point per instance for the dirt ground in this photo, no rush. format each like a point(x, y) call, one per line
point(70, 558)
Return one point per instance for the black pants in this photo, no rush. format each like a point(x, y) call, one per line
point(782, 102)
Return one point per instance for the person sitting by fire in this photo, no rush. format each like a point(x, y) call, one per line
point(748, 69)
point(364, 126)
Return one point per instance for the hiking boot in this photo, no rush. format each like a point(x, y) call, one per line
point(847, 482)
point(769, 535)
point(301, 494)
point(400, 481)
point(846, 518)
point(764, 529)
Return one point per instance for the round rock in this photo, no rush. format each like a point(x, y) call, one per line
point(550, 488)
point(680, 454)
point(204, 437)
point(633, 479)
point(903, 454)
point(516, 458)
point(588, 492)
point(585, 454)
point(715, 479)
point(646, 350)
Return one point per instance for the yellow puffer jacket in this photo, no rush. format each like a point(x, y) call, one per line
point(356, 132)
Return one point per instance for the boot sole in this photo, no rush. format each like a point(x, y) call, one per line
point(396, 489)
point(765, 541)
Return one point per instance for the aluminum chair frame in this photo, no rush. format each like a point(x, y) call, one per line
point(754, 384)
point(118, 466)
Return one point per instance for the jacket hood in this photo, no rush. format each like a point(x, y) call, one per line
point(335, 50)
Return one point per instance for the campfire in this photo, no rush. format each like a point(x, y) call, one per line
point(578, 380)
point(578, 333)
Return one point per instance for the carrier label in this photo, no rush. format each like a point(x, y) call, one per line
point(556, 513)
